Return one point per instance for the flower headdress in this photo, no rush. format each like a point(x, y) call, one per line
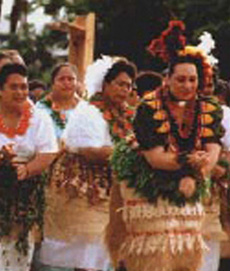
point(207, 44)
point(171, 45)
point(96, 72)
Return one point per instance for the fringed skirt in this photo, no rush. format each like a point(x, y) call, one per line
point(155, 237)
point(76, 215)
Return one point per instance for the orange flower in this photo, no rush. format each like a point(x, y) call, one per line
point(128, 126)
point(115, 128)
point(22, 126)
point(129, 112)
point(164, 128)
point(107, 115)
point(159, 115)
point(62, 116)
point(206, 119)
point(206, 132)
point(208, 107)
point(155, 104)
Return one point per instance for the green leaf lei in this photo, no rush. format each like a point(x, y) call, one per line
point(131, 166)
point(55, 115)
point(22, 203)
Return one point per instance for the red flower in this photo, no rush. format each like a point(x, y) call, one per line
point(107, 115)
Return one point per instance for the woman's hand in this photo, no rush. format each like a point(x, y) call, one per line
point(187, 186)
point(198, 159)
point(9, 151)
point(22, 171)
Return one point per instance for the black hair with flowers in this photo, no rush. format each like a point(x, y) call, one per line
point(171, 47)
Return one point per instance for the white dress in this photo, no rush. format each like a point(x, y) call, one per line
point(26, 146)
point(76, 240)
point(212, 255)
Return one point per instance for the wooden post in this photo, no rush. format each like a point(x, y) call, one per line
point(81, 45)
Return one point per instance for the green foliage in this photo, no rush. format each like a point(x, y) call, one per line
point(36, 49)
point(131, 167)
point(22, 203)
point(126, 27)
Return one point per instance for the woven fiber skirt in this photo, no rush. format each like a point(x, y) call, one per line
point(154, 237)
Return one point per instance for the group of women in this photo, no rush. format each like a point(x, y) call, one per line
point(124, 189)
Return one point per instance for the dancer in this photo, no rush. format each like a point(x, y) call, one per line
point(163, 168)
point(80, 182)
point(25, 152)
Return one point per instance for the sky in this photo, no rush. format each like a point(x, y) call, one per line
point(38, 18)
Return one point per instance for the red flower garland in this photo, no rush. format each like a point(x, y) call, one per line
point(22, 126)
point(119, 119)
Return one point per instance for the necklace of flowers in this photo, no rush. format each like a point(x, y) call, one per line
point(185, 138)
point(23, 123)
point(58, 117)
point(118, 118)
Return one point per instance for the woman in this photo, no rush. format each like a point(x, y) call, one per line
point(62, 100)
point(25, 154)
point(80, 182)
point(156, 211)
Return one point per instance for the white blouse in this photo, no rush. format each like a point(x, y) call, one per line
point(226, 124)
point(39, 137)
point(86, 128)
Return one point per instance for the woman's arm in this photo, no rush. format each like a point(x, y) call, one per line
point(96, 154)
point(213, 150)
point(158, 158)
point(40, 162)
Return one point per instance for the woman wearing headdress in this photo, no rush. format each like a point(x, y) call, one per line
point(80, 184)
point(25, 152)
point(163, 168)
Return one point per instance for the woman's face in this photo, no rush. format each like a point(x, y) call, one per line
point(118, 89)
point(15, 90)
point(65, 82)
point(183, 82)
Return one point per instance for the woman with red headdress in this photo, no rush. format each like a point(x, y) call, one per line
point(164, 167)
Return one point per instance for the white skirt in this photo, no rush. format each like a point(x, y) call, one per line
point(11, 259)
point(76, 254)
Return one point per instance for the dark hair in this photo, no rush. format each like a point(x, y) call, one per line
point(198, 62)
point(11, 68)
point(59, 66)
point(119, 67)
point(146, 81)
point(222, 88)
point(33, 84)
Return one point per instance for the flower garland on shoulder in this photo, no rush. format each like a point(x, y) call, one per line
point(56, 115)
point(119, 119)
point(23, 124)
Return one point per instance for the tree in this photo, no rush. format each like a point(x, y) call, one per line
point(127, 26)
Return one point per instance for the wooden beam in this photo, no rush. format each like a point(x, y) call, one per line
point(81, 45)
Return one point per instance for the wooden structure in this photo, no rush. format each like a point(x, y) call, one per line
point(81, 43)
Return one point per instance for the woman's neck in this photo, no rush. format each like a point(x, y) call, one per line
point(10, 111)
point(64, 102)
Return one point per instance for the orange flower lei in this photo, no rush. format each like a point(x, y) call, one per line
point(22, 125)
point(119, 119)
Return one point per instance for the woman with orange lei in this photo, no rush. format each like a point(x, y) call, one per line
point(164, 168)
point(24, 153)
point(80, 182)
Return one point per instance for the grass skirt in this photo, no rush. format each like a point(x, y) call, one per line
point(154, 237)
